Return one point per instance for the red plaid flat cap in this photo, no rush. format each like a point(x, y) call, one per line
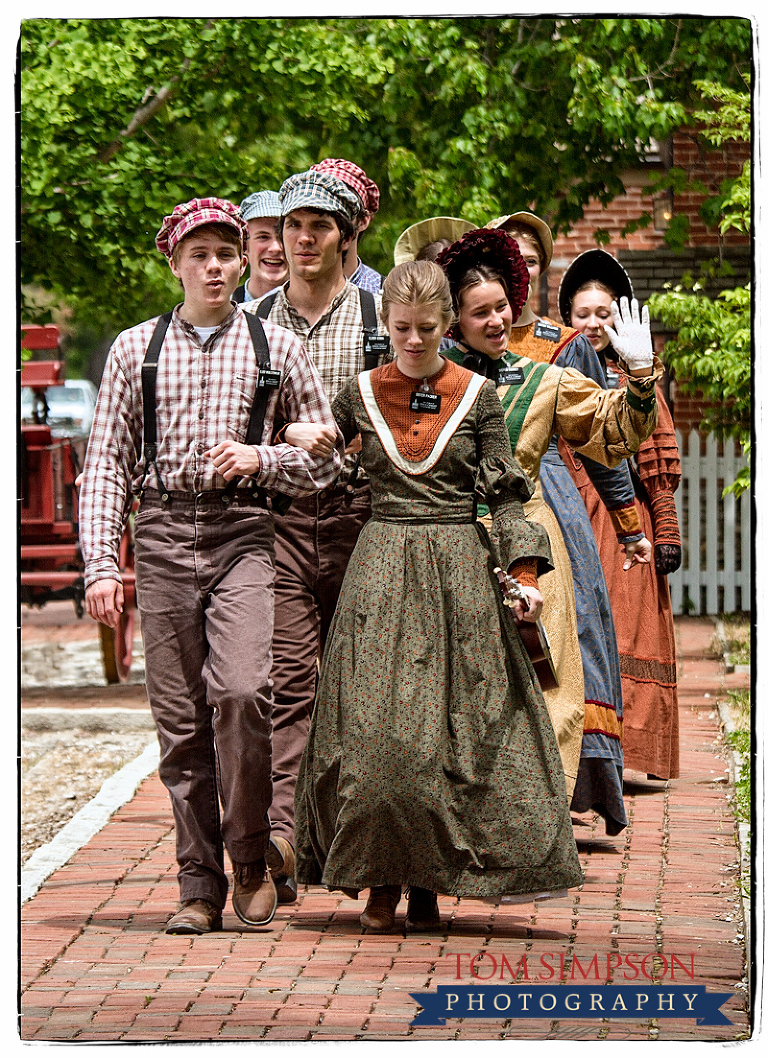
point(355, 177)
point(190, 215)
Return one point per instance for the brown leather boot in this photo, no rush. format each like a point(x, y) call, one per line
point(195, 916)
point(281, 860)
point(422, 914)
point(379, 914)
point(254, 897)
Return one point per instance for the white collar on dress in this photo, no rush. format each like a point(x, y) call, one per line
point(387, 439)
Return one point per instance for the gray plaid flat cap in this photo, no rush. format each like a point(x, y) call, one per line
point(314, 190)
point(261, 204)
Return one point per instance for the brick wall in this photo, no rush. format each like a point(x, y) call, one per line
point(646, 257)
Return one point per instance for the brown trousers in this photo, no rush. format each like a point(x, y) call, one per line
point(313, 544)
point(204, 577)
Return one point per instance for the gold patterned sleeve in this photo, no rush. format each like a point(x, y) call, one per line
point(606, 425)
point(504, 486)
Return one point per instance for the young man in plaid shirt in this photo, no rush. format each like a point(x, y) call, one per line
point(362, 275)
point(268, 266)
point(315, 539)
point(204, 548)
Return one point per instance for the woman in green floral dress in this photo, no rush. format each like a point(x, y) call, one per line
point(431, 763)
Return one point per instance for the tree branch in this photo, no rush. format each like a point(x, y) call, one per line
point(141, 117)
point(146, 111)
point(648, 76)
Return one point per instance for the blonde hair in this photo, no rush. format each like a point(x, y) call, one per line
point(418, 283)
point(520, 230)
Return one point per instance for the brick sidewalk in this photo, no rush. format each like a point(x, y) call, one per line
point(96, 965)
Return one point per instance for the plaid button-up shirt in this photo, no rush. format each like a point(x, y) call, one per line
point(367, 278)
point(204, 396)
point(335, 342)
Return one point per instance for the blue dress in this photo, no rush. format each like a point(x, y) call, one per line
point(600, 777)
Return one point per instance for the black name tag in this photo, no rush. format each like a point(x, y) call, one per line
point(546, 330)
point(426, 402)
point(376, 343)
point(511, 376)
point(269, 379)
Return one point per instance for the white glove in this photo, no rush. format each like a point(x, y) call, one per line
point(632, 338)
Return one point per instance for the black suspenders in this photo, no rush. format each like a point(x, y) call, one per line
point(374, 344)
point(264, 307)
point(255, 430)
point(259, 406)
point(148, 393)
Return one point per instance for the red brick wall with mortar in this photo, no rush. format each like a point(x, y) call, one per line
point(649, 262)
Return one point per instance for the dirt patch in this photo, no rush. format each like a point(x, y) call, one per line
point(62, 770)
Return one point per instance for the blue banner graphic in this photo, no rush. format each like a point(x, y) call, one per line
point(635, 1002)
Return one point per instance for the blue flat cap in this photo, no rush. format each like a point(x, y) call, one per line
point(261, 204)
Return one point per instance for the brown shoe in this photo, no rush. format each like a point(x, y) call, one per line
point(195, 916)
point(422, 914)
point(281, 860)
point(379, 914)
point(254, 898)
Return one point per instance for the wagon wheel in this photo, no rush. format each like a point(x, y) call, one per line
point(117, 647)
point(117, 644)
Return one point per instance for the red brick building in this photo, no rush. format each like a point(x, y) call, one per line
point(715, 576)
point(646, 257)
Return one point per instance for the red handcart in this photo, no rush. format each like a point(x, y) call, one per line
point(51, 565)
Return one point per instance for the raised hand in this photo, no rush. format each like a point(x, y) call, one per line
point(630, 335)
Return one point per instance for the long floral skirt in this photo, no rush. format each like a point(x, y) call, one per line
point(431, 760)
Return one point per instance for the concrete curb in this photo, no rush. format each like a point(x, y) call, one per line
point(735, 766)
point(116, 791)
point(111, 721)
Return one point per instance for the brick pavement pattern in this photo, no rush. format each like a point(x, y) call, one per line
point(96, 966)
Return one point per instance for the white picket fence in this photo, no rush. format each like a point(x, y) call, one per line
point(716, 530)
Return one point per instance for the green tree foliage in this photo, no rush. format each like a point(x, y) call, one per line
point(122, 118)
point(712, 353)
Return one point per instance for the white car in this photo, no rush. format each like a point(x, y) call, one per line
point(70, 407)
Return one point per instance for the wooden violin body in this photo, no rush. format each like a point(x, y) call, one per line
point(533, 636)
